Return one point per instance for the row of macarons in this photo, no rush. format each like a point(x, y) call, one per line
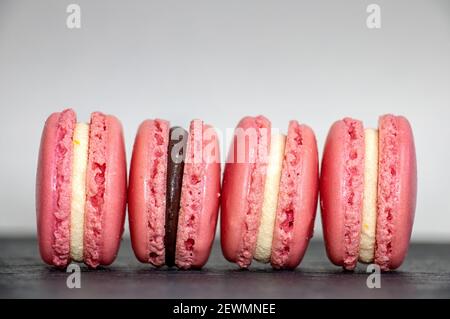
point(267, 199)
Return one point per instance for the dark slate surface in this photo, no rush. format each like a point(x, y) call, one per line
point(425, 274)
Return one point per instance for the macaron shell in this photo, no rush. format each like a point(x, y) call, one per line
point(297, 201)
point(235, 187)
point(115, 191)
point(54, 233)
point(242, 193)
point(147, 191)
point(95, 190)
point(105, 191)
point(199, 197)
point(397, 191)
point(341, 191)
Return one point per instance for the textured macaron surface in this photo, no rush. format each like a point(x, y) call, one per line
point(115, 191)
point(297, 199)
point(199, 197)
point(397, 191)
point(341, 189)
point(95, 190)
point(105, 190)
point(53, 188)
point(147, 191)
point(243, 189)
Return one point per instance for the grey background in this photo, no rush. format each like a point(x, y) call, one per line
point(313, 61)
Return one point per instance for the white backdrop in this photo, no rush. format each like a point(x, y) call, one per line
point(313, 61)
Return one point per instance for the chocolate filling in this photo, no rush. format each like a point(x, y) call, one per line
point(175, 165)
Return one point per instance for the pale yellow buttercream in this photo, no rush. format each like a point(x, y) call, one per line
point(78, 201)
point(369, 213)
point(269, 207)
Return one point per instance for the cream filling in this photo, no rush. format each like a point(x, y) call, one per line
point(269, 207)
point(78, 201)
point(369, 213)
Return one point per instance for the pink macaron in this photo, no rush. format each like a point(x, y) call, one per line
point(174, 193)
point(80, 189)
point(368, 192)
point(269, 194)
